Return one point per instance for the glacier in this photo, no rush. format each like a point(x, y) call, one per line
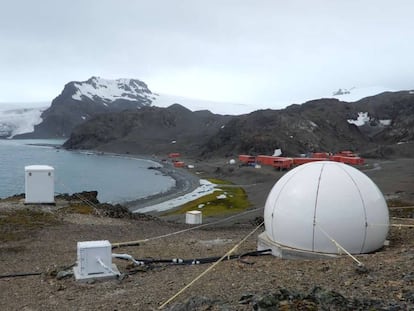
point(19, 121)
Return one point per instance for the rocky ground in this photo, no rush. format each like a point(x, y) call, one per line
point(42, 240)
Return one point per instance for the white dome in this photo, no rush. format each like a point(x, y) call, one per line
point(318, 202)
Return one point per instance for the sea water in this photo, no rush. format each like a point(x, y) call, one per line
point(116, 178)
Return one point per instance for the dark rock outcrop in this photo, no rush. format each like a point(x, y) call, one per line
point(148, 130)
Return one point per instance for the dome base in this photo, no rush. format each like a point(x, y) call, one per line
point(285, 252)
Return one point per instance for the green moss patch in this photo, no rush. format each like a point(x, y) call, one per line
point(18, 224)
point(225, 200)
point(79, 208)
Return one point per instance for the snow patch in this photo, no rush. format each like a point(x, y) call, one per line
point(385, 122)
point(361, 120)
point(205, 188)
point(364, 118)
point(313, 124)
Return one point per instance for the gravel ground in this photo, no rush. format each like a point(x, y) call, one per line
point(48, 247)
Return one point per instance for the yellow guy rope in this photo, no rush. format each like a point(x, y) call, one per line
point(83, 199)
point(402, 225)
point(402, 218)
point(340, 246)
point(393, 225)
point(209, 268)
point(130, 243)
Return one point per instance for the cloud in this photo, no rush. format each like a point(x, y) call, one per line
point(245, 50)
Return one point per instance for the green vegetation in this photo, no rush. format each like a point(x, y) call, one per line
point(225, 200)
point(18, 224)
point(79, 208)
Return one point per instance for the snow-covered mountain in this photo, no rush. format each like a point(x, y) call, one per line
point(82, 100)
point(18, 120)
point(110, 91)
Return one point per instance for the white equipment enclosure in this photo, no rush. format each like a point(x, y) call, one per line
point(39, 184)
point(94, 261)
point(194, 218)
point(321, 207)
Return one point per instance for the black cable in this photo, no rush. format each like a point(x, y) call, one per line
point(198, 261)
point(14, 275)
point(22, 274)
point(173, 261)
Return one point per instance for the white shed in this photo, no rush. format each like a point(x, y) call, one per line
point(39, 184)
point(318, 206)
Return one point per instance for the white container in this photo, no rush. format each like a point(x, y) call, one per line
point(194, 218)
point(89, 254)
point(94, 260)
point(39, 184)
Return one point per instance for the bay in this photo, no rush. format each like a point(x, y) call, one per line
point(116, 178)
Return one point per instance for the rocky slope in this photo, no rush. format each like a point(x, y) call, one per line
point(313, 126)
point(398, 108)
point(80, 101)
point(148, 130)
point(385, 123)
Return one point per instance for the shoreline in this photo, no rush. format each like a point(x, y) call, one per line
point(185, 182)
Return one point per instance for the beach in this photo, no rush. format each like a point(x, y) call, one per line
point(185, 182)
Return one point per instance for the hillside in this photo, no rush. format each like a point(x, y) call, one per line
point(318, 125)
point(148, 130)
point(313, 126)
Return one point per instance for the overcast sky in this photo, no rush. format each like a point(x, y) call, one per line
point(267, 52)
